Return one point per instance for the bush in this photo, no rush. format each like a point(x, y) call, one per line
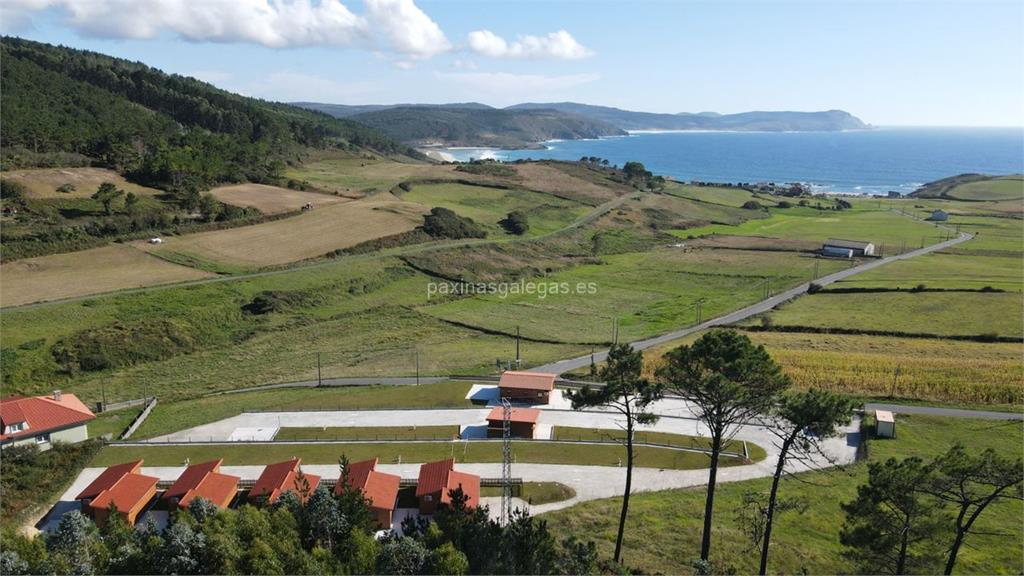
point(276, 301)
point(751, 205)
point(814, 288)
point(443, 223)
point(919, 288)
point(784, 204)
point(122, 344)
point(515, 223)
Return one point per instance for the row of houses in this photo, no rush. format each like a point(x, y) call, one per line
point(124, 489)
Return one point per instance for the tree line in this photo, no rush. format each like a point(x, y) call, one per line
point(909, 517)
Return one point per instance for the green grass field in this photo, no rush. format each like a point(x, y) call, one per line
point(1004, 188)
point(664, 528)
point(700, 443)
point(535, 492)
point(809, 224)
point(370, 433)
point(726, 196)
point(169, 417)
point(392, 453)
point(113, 423)
point(1001, 234)
point(944, 270)
point(942, 313)
point(486, 206)
point(650, 293)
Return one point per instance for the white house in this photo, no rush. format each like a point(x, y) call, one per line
point(939, 216)
point(42, 420)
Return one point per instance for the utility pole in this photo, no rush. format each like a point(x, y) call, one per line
point(103, 395)
point(518, 361)
point(700, 304)
point(615, 331)
point(319, 380)
point(895, 376)
point(418, 366)
point(816, 263)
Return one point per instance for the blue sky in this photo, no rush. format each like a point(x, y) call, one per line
point(890, 63)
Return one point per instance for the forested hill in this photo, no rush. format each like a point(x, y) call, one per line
point(482, 126)
point(63, 106)
point(829, 120)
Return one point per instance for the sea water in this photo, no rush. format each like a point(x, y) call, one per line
point(861, 161)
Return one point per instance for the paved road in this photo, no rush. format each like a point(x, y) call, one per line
point(752, 310)
point(951, 412)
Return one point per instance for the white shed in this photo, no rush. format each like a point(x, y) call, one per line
point(885, 424)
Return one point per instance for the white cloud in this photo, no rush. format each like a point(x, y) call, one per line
point(288, 86)
point(212, 76)
point(559, 45)
point(507, 88)
point(394, 25)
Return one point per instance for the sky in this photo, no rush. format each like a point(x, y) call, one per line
point(889, 63)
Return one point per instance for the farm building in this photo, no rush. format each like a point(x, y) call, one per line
point(282, 477)
point(438, 479)
point(885, 424)
point(203, 481)
point(847, 248)
point(379, 488)
point(522, 422)
point(41, 420)
point(121, 486)
point(939, 216)
point(532, 387)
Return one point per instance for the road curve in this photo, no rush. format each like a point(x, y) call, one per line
point(742, 314)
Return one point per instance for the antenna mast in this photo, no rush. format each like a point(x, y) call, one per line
point(506, 461)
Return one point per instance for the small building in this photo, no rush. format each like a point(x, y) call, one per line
point(885, 424)
point(534, 387)
point(893, 194)
point(438, 479)
point(203, 481)
point(939, 216)
point(121, 486)
point(522, 422)
point(42, 420)
point(282, 477)
point(379, 488)
point(837, 247)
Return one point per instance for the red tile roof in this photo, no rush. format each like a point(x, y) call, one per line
point(108, 478)
point(527, 380)
point(203, 481)
point(434, 476)
point(127, 493)
point(442, 477)
point(217, 488)
point(42, 414)
point(470, 484)
point(379, 488)
point(518, 415)
point(279, 478)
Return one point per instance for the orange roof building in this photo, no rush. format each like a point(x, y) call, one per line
point(379, 488)
point(532, 387)
point(121, 487)
point(522, 422)
point(437, 479)
point(203, 481)
point(279, 478)
point(42, 420)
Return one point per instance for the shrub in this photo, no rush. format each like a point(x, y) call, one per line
point(919, 288)
point(751, 205)
point(784, 204)
point(66, 188)
point(123, 344)
point(515, 223)
point(814, 288)
point(443, 223)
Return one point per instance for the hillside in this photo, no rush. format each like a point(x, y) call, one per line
point(423, 125)
point(830, 120)
point(973, 187)
point(62, 106)
point(345, 110)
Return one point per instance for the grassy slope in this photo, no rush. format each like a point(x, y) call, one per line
point(944, 270)
point(943, 313)
point(487, 206)
point(663, 530)
point(727, 196)
point(650, 293)
point(1003, 188)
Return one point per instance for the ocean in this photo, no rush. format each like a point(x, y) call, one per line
point(862, 161)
